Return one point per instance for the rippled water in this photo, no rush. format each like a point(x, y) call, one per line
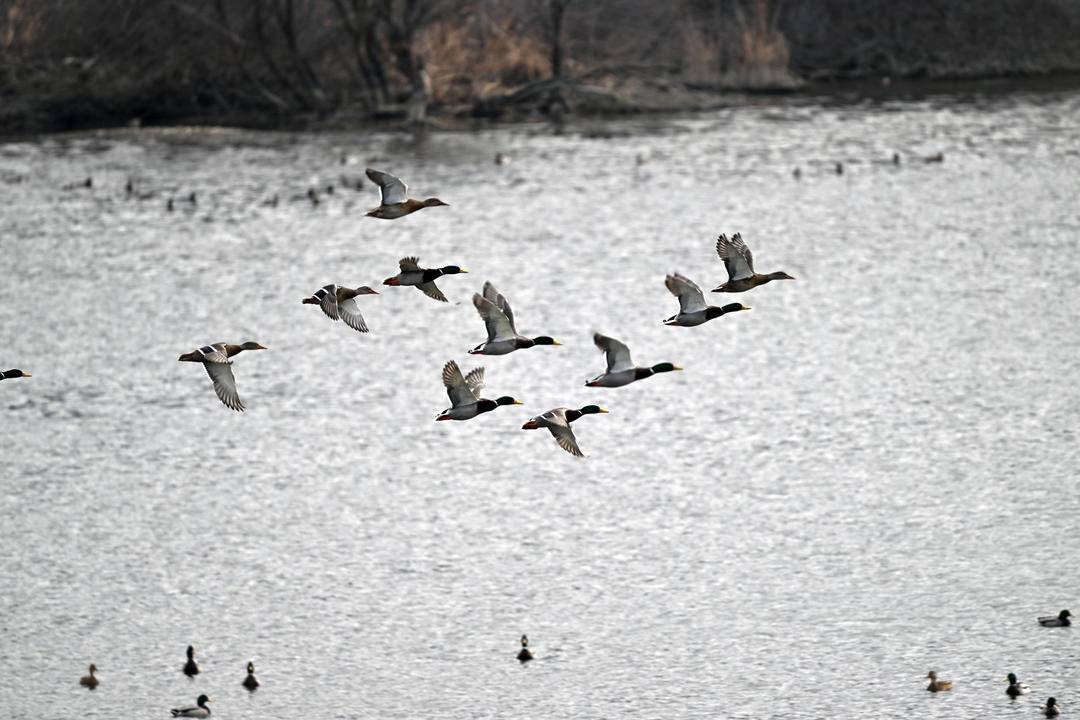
point(869, 475)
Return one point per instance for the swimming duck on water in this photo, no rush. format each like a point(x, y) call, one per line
point(464, 392)
point(502, 334)
point(199, 711)
point(739, 263)
point(16, 373)
point(1016, 688)
point(525, 655)
point(423, 279)
point(191, 668)
point(395, 197)
point(1059, 620)
point(89, 681)
point(215, 358)
point(620, 368)
point(558, 421)
point(693, 310)
point(937, 685)
point(339, 303)
point(1050, 709)
point(251, 683)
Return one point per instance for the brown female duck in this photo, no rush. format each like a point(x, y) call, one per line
point(339, 303)
point(395, 197)
point(215, 358)
point(740, 266)
point(89, 681)
point(937, 685)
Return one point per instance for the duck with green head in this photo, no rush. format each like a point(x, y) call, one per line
point(558, 421)
point(423, 279)
point(200, 710)
point(464, 392)
point(502, 334)
point(620, 367)
point(16, 373)
point(693, 310)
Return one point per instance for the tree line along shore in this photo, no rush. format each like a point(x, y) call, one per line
point(346, 63)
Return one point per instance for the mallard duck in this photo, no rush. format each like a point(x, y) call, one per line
point(251, 682)
point(422, 278)
point(740, 266)
point(1016, 688)
point(558, 421)
point(525, 655)
point(89, 681)
point(191, 668)
point(395, 197)
point(1050, 709)
point(215, 358)
point(199, 711)
point(339, 303)
point(10, 374)
point(502, 335)
point(937, 685)
point(1059, 620)
point(620, 368)
point(464, 392)
point(693, 310)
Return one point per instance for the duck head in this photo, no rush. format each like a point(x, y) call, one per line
point(16, 373)
point(93, 668)
point(507, 400)
point(190, 652)
point(931, 675)
point(202, 700)
point(1011, 677)
point(434, 202)
point(664, 367)
point(251, 668)
point(524, 641)
point(453, 270)
point(545, 340)
point(593, 410)
point(715, 312)
point(779, 275)
point(366, 290)
point(253, 346)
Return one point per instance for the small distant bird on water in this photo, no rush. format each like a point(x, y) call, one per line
point(251, 682)
point(525, 655)
point(896, 158)
point(423, 279)
point(339, 303)
point(693, 310)
point(1059, 620)
point(796, 173)
point(129, 187)
point(169, 205)
point(199, 711)
point(937, 685)
point(215, 358)
point(739, 263)
point(620, 368)
point(191, 668)
point(11, 374)
point(395, 197)
point(501, 159)
point(1050, 709)
point(502, 334)
point(1016, 688)
point(464, 393)
point(313, 197)
point(89, 681)
point(839, 168)
point(935, 158)
point(558, 421)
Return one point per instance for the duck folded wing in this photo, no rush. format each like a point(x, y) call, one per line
point(691, 299)
point(500, 302)
point(224, 384)
point(499, 327)
point(616, 353)
point(350, 315)
point(459, 390)
point(392, 189)
point(737, 258)
point(432, 291)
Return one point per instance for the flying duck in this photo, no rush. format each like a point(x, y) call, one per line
point(9, 374)
point(1059, 620)
point(395, 197)
point(502, 335)
point(339, 303)
point(525, 655)
point(558, 421)
point(693, 310)
point(215, 358)
point(422, 278)
point(740, 266)
point(620, 368)
point(937, 685)
point(191, 668)
point(1016, 688)
point(1050, 709)
point(89, 681)
point(251, 682)
point(464, 392)
point(199, 711)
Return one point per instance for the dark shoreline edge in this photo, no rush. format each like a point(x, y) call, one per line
point(665, 98)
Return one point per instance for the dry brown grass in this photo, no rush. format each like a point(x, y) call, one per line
point(740, 52)
point(18, 25)
point(480, 57)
